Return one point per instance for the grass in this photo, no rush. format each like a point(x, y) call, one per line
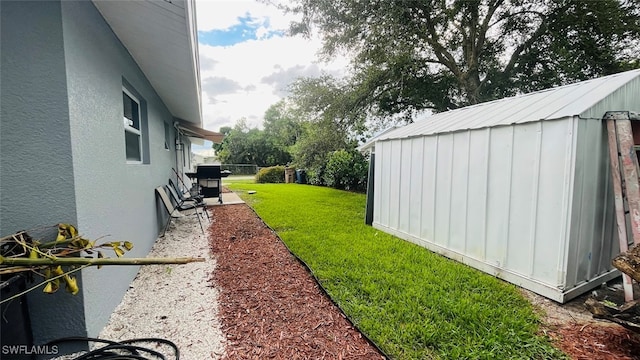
point(412, 303)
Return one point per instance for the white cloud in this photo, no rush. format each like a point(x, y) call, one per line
point(244, 79)
point(222, 14)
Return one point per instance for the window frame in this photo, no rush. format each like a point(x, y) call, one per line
point(131, 129)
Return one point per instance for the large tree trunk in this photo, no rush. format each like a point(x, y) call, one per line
point(629, 262)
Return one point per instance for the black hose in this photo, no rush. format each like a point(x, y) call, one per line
point(122, 350)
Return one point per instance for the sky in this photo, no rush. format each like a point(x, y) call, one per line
point(247, 61)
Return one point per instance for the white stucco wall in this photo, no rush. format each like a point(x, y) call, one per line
point(113, 198)
point(37, 177)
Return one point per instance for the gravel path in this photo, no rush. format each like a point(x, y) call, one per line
point(174, 302)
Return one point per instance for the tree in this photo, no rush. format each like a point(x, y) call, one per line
point(313, 149)
point(226, 130)
point(282, 125)
point(244, 145)
point(436, 54)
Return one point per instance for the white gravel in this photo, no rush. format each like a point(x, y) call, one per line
point(173, 302)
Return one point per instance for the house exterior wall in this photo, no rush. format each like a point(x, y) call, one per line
point(113, 197)
point(62, 155)
point(37, 176)
point(497, 198)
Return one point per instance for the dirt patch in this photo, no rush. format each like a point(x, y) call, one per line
point(573, 329)
point(270, 306)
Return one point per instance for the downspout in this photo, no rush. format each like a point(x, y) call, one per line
point(179, 169)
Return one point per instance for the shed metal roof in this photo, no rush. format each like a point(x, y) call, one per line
point(556, 103)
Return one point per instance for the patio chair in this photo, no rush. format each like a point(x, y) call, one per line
point(183, 195)
point(180, 200)
point(176, 212)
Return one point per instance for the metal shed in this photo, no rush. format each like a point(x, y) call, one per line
point(519, 188)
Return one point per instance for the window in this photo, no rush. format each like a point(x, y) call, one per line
point(132, 128)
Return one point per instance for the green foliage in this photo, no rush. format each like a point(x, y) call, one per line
point(314, 147)
point(414, 55)
point(251, 146)
point(413, 303)
point(273, 174)
point(346, 170)
point(282, 125)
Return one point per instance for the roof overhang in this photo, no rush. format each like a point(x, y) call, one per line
point(193, 131)
point(161, 36)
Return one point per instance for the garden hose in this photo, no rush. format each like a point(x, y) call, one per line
point(121, 350)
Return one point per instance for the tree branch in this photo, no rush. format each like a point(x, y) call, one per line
point(18, 261)
point(484, 27)
point(440, 51)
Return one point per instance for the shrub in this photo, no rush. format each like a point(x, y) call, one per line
point(272, 174)
point(347, 170)
point(315, 176)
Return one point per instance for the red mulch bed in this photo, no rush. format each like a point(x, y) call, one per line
point(595, 341)
point(270, 306)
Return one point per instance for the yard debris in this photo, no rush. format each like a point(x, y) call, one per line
point(627, 314)
point(629, 262)
point(56, 260)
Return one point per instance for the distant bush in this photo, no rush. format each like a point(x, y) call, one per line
point(347, 170)
point(272, 174)
point(314, 176)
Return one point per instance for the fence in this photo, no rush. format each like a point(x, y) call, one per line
point(240, 169)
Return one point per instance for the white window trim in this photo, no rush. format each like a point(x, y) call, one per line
point(131, 129)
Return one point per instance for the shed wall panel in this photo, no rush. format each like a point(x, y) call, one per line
point(443, 174)
point(415, 191)
point(590, 252)
point(554, 139)
point(394, 183)
point(499, 194)
point(405, 179)
point(476, 228)
point(459, 189)
point(604, 245)
point(523, 199)
point(429, 168)
point(383, 167)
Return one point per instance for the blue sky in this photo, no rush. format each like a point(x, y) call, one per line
point(246, 29)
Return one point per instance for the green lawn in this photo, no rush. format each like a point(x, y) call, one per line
point(412, 303)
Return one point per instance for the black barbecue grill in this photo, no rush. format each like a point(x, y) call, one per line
point(210, 180)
